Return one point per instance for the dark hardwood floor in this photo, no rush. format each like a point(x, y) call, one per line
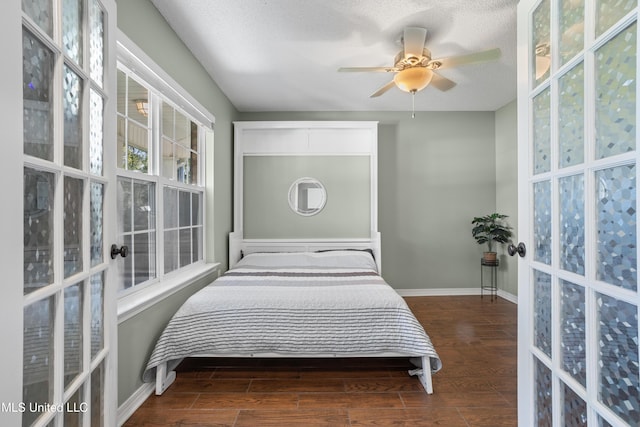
point(475, 338)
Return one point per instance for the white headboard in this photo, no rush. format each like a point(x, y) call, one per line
point(301, 139)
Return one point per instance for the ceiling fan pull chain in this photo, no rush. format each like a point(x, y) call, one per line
point(413, 104)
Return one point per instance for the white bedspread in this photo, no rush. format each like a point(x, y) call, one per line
point(289, 306)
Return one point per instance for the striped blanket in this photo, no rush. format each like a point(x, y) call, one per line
point(328, 305)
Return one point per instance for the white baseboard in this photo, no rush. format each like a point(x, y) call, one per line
point(509, 297)
point(436, 292)
point(134, 402)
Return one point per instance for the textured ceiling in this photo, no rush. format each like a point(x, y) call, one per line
point(283, 55)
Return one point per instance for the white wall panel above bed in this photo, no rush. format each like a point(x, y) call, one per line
point(306, 138)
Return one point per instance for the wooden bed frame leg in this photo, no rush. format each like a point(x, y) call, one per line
point(163, 378)
point(424, 375)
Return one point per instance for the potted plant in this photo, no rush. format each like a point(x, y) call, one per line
point(489, 229)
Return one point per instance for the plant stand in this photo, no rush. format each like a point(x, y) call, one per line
point(492, 286)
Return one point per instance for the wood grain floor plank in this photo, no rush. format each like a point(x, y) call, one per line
point(298, 418)
point(242, 401)
point(209, 386)
point(413, 417)
point(490, 417)
point(181, 418)
point(349, 400)
point(281, 386)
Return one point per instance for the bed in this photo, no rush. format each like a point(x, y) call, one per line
point(329, 303)
point(304, 276)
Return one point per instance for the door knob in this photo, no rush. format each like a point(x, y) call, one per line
point(123, 251)
point(521, 249)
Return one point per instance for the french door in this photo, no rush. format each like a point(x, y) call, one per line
point(60, 297)
point(578, 287)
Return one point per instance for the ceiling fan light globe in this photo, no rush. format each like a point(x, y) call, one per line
point(413, 79)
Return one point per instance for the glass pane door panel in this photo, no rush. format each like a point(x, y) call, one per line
point(571, 190)
point(571, 40)
point(39, 190)
point(96, 42)
point(73, 214)
point(541, 49)
point(618, 383)
point(73, 343)
point(96, 122)
point(97, 234)
point(96, 282)
point(542, 132)
point(37, 388)
point(578, 339)
point(616, 226)
point(543, 394)
point(542, 316)
point(37, 93)
point(65, 186)
point(542, 221)
point(76, 406)
point(574, 409)
point(616, 95)
point(571, 117)
point(97, 396)
point(72, 87)
point(72, 29)
point(608, 12)
point(572, 331)
point(41, 11)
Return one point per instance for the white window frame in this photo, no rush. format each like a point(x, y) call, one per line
point(162, 88)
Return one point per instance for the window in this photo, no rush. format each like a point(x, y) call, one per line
point(160, 183)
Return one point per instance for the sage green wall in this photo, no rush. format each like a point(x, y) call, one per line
point(144, 25)
point(266, 186)
point(507, 188)
point(435, 173)
point(137, 337)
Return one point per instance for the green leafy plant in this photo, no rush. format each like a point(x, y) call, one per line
point(491, 228)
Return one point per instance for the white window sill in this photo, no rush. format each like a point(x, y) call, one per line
point(134, 303)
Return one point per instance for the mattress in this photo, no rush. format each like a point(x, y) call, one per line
point(327, 304)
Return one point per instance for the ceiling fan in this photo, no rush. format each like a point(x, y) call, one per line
point(415, 69)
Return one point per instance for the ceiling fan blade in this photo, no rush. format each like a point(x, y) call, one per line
point(383, 89)
point(472, 58)
point(413, 40)
point(368, 69)
point(441, 83)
